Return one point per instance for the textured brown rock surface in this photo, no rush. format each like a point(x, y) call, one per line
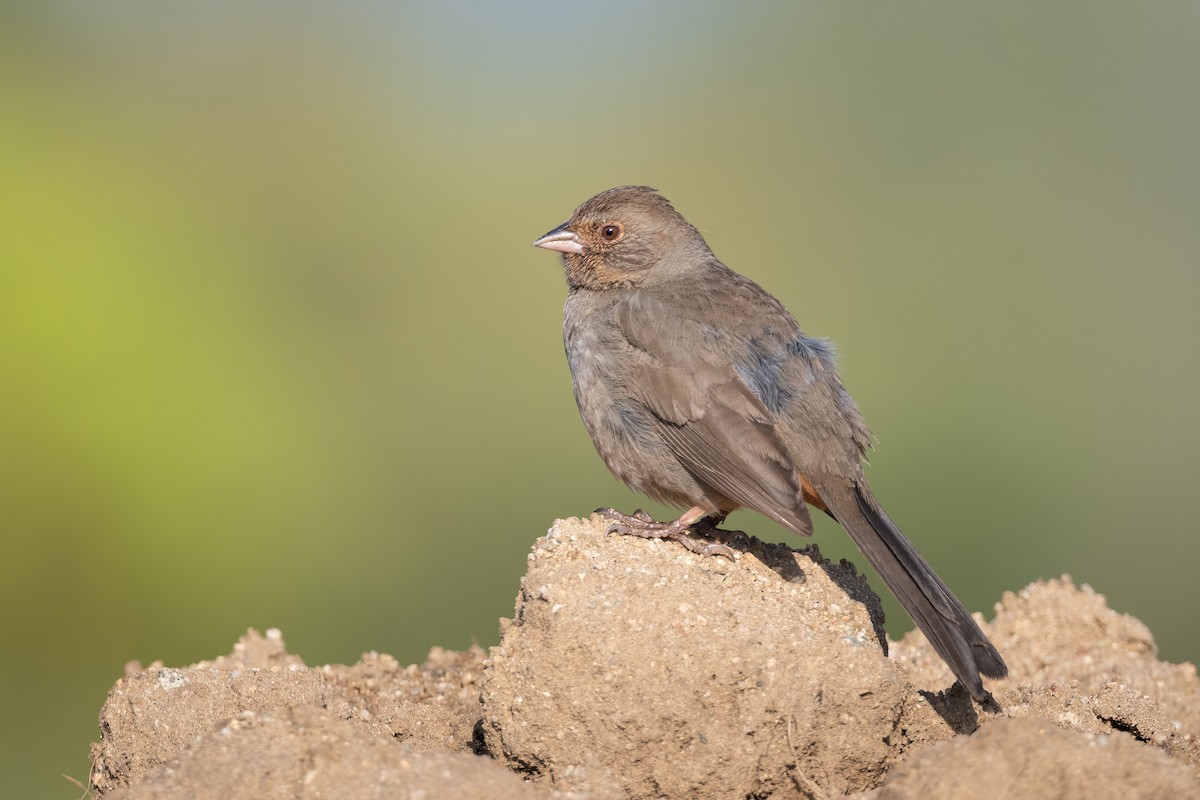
point(690, 675)
point(309, 752)
point(635, 669)
point(1080, 664)
point(153, 715)
point(1010, 758)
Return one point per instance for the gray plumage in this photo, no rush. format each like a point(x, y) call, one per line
point(700, 391)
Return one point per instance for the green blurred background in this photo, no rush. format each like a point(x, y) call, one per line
point(275, 351)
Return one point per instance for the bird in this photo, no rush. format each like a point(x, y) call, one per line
point(700, 391)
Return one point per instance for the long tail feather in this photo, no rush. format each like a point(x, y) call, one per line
point(939, 614)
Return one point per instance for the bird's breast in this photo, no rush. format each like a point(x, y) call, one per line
point(623, 429)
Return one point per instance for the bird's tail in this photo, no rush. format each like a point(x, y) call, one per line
point(939, 614)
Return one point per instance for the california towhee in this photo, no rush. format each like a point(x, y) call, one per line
point(700, 390)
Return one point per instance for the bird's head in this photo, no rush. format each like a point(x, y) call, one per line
point(619, 236)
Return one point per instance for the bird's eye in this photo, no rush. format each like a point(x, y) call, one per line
point(611, 233)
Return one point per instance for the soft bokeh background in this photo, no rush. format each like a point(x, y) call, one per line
point(275, 351)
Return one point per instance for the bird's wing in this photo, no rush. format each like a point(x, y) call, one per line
point(716, 425)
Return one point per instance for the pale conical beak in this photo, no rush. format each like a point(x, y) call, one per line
point(560, 239)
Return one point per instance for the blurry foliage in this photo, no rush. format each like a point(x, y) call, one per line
point(274, 350)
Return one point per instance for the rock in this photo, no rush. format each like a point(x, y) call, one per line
point(636, 669)
point(309, 752)
point(1034, 759)
point(679, 675)
point(152, 715)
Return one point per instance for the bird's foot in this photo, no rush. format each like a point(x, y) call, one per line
point(636, 518)
point(708, 527)
point(639, 523)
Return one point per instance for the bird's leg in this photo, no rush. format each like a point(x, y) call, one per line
point(641, 524)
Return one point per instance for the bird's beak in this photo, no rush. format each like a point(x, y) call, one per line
point(561, 239)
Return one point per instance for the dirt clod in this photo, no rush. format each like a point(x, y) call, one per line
point(636, 669)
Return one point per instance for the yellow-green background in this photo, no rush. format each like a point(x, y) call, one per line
point(275, 351)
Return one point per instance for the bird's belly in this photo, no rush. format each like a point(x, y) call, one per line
point(624, 431)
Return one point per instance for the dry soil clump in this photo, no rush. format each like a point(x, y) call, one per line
point(636, 669)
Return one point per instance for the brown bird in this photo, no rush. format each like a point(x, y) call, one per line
point(700, 391)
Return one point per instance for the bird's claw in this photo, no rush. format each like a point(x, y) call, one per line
point(641, 524)
point(701, 547)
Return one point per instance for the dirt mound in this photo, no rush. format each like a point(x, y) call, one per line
point(1033, 757)
point(636, 669)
